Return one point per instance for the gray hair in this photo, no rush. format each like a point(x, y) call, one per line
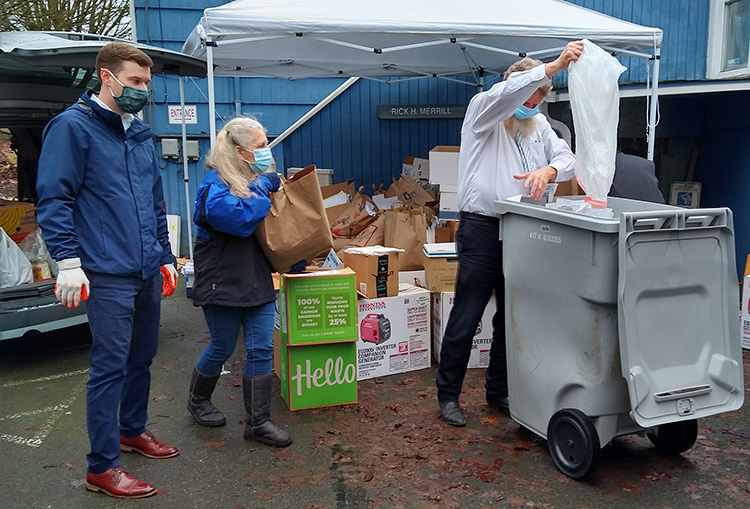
point(525, 64)
point(234, 172)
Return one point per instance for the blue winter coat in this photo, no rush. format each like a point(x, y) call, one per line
point(100, 192)
point(230, 267)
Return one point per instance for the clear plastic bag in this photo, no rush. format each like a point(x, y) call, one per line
point(595, 104)
point(15, 268)
point(35, 249)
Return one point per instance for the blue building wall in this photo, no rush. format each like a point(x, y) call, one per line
point(347, 136)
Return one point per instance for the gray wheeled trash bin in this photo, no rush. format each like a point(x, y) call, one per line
point(619, 325)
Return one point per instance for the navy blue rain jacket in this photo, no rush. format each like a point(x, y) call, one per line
point(100, 192)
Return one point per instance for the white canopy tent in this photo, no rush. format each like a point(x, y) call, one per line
point(295, 39)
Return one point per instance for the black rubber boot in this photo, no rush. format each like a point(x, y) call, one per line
point(199, 404)
point(257, 394)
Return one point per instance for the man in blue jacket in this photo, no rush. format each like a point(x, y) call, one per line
point(101, 209)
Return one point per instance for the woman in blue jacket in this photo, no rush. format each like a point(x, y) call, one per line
point(233, 277)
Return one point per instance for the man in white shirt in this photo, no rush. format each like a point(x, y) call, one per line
point(507, 148)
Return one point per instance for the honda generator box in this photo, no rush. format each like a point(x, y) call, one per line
point(442, 303)
point(314, 376)
point(376, 268)
point(746, 313)
point(394, 333)
point(318, 307)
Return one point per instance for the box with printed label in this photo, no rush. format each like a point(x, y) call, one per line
point(746, 313)
point(440, 266)
point(318, 307)
point(377, 274)
point(394, 333)
point(444, 165)
point(442, 303)
point(314, 376)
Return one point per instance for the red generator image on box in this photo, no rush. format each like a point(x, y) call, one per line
point(375, 328)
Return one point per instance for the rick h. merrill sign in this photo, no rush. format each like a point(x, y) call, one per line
point(410, 111)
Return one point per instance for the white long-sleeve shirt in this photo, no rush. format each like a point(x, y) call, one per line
point(489, 155)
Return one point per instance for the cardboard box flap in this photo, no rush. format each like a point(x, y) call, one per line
point(441, 250)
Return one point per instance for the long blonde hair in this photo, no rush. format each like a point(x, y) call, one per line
point(234, 172)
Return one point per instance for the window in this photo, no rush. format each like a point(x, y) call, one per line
point(729, 39)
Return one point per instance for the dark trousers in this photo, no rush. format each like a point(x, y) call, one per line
point(123, 316)
point(480, 271)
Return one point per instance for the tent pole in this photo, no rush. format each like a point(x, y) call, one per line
point(653, 106)
point(185, 169)
point(211, 96)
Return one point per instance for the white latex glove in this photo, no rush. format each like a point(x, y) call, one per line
point(72, 285)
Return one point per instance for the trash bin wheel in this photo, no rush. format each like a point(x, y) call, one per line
point(573, 442)
point(675, 437)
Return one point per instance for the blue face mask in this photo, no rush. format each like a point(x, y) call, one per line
point(522, 112)
point(263, 160)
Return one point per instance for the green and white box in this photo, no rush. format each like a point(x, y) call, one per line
point(318, 307)
point(314, 376)
point(394, 333)
point(442, 303)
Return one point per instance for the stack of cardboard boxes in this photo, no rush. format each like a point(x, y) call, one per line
point(393, 318)
point(317, 351)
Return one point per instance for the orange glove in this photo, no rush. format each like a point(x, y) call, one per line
point(169, 280)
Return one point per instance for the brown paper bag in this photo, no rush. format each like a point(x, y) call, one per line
point(406, 228)
point(409, 191)
point(355, 217)
point(296, 228)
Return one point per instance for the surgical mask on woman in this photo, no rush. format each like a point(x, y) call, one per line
point(263, 160)
point(131, 100)
point(523, 112)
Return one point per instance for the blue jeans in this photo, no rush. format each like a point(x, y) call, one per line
point(123, 316)
point(480, 271)
point(224, 326)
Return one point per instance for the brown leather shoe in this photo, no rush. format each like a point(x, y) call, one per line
point(148, 445)
point(115, 482)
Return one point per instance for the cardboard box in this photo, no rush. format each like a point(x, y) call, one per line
point(440, 266)
point(442, 303)
point(746, 313)
point(318, 307)
point(444, 165)
point(412, 277)
point(314, 376)
point(377, 275)
point(568, 188)
point(17, 218)
point(448, 201)
point(394, 333)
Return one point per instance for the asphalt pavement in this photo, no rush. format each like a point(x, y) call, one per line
point(389, 450)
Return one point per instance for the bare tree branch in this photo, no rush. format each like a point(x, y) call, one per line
point(105, 17)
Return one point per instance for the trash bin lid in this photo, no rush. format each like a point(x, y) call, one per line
point(677, 314)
